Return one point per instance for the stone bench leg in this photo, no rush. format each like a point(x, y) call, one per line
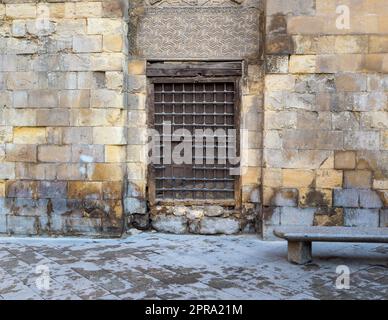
point(299, 252)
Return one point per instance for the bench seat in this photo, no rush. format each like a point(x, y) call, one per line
point(300, 238)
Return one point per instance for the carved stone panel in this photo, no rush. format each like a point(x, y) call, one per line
point(199, 32)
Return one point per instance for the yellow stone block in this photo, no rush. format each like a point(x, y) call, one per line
point(303, 64)
point(2, 189)
point(21, 10)
point(85, 190)
point(295, 178)
point(105, 172)
point(137, 67)
point(329, 179)
point(26, 135)
point(251, 175)
point(113, 43)
point(115, 154)
point(272, 178)
point(384, 138)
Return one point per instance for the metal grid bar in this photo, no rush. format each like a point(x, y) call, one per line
point(191, 106)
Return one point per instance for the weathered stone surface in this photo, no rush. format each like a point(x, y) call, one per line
point(169, 224)
point(219, 226)
point(135, 206)
point(361, 218)
point(370, 199)
point(329, 218)
point(297, 216)
point(358, 179)
point(346, 198)
point(286, 198)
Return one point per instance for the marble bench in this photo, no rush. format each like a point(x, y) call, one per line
point(300, 238)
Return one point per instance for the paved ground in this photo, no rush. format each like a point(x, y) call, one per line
point(160, 266)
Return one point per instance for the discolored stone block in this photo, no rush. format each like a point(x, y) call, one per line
point(362, 218)
point(21, 153)
point(85, 190)
point(361, 179)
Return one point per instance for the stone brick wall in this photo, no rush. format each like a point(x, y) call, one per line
point(62, 117)
point(326, 120)
point(73, 112)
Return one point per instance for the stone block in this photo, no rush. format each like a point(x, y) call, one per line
point(57, 117)
point(285, 197)
point(21, 189)
point(52, 153)
point(302, 64)
point(91, 80)
point(359, 179)
point(362, 218)
point(315, 197)
point(279, 82)
point(21, 10)
point(169, 224)
point(112, 190)
point(85, 190)
point(29, 135)
point(297, 216)
point(71, 172)
point(297, 178)
point(35, 171)
point(345, 160)
point(114, 80)
point(104, 98)
point(2, 193)
point(329, 179)
point(350, 82)
point(347, 198)
point(3, 220)
point(345, 121)
point(291, 7)
point(74, 99)
point(277, 64)
point(107, 62)
point(105, 172)
point(20, 153)
point(135, 206)
point(6, 135)
point(42, 99)
point(113, 43)
point(112, 8)
point(137, 67)
point(87, 153)
point(378, 44)
point(137, 83)
point(82, 44)
point(377, 120)
point(22, 225)
point(384, 218)
point(104, 26)
point(109, 135)
point(370, 199)
point(362, 140)
point(329, 217)
point(380, 184)
point(52, 189)
point(88, 9)
point(115, 154)
point(77, 135)
point(211, 226)
point(7, 170)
